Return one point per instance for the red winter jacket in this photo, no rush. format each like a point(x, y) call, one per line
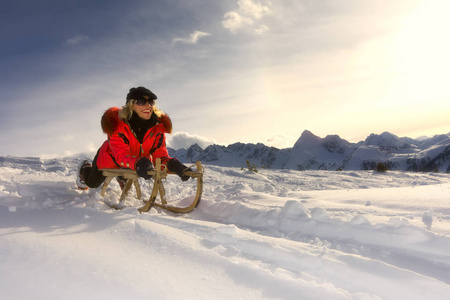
point(123, 150)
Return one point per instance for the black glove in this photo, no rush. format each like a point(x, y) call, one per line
point(144, 165)
point(178, 168)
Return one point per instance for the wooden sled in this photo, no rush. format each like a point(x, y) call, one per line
point(158, 174)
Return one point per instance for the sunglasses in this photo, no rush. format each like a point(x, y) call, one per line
point(143, 101)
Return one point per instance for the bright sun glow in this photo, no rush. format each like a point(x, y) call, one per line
point(421, 63)
point(421, 51)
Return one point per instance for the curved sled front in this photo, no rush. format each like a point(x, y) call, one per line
point(158, 174)
point(198, 195)
point(158, 188)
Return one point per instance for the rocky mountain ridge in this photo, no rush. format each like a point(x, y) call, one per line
point(311, 152)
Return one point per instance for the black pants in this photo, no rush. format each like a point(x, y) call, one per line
point(92, 176)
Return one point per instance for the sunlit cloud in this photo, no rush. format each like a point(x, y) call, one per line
point(252, 9)
point(281, 141)
point(193, 38)
point(91, 147)
point(246, 16)
point(78, 39)
point(183, 140)
point(233, 21)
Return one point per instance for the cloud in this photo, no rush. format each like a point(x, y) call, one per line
point(255, 10)
point(233, 21)
point(246, 16)
point(78, 39)
point(281, 141)
point(183, 140)
point(67, 138)
point(192, 39)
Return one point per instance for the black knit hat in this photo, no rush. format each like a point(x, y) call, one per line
point(139, 93)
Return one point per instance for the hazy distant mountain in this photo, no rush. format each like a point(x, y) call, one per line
point(311, 152)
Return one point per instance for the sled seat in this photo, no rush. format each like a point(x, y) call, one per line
point(158, 174)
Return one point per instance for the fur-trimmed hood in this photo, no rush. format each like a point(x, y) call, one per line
point(110, 121)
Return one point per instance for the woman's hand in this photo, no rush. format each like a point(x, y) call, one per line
point(178, 168)
point(144, 165)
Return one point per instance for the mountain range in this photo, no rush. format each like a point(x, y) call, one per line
point(311, 152)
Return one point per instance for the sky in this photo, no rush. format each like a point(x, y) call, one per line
point(225, 71)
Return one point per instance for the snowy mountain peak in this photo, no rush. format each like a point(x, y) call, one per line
point(386, 140)
point(440, 139)
point(307, 139)
point(334, 144)
point(314, 144)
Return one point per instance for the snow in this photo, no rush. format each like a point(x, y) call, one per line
point(275, 234)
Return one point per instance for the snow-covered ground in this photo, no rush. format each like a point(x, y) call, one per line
point(277, 234)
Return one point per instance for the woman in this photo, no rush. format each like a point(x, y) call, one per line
point(136, 137)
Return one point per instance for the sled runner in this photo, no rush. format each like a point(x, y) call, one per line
point(158, 175)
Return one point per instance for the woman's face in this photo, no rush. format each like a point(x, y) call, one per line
point(143, 111)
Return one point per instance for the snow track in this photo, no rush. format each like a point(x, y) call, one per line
point(272, 235)
point(332, 273)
